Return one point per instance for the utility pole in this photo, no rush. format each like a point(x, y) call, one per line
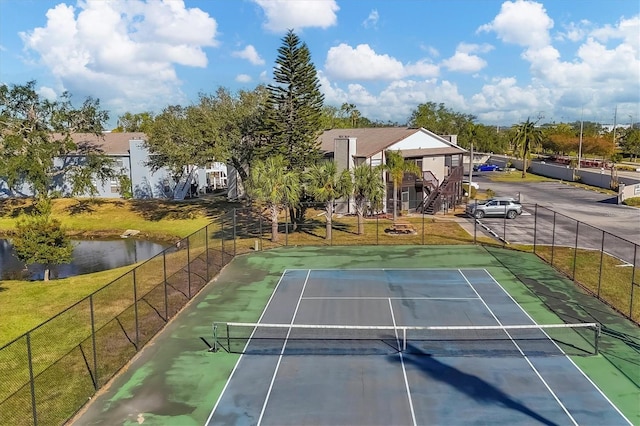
point(580, 146)
point(615, 118)
point(470, 167)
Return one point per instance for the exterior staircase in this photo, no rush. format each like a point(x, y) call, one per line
point(184, 184)
point(444, 196)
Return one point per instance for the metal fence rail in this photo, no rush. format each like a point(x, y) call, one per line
point(48, 375)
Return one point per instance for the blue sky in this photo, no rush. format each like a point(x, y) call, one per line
point(501, 61)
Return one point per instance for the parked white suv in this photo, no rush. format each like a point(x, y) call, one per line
point(498, 206)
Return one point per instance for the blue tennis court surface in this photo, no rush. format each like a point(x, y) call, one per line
point(437, 383)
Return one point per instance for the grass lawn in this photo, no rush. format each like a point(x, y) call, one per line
point(25, 304)
point(67, 350)
point(157, 219)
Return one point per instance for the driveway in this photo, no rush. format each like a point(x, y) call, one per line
point(592, 209)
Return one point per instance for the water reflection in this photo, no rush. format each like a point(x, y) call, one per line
point(88, 256)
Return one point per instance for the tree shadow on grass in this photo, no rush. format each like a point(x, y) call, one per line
point(156, 210)
point(90, 206)
point(14, 207)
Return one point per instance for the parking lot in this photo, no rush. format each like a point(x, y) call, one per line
point(586, 211)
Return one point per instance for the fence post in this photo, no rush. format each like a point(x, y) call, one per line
point(422, 226)
point(260, 229)
point(235, 215)
point(222, 236)
point(206, 249)
point(601, 261)
point(504, 228)
point(286, 226)
point(535, 227)
point(553, 237)
point(135, 310)
point(378, 229)
point(331, 227)
point(575, 250)
point(189, 267)
point(32, 384)
point(633, 279)
point(93, 344)
point(166, 293)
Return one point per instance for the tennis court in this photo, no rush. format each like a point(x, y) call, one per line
point(405, 347)
point(371, 378)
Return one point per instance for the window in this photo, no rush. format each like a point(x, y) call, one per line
point(115, 186)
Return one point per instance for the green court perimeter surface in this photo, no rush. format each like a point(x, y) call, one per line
point(175, 380)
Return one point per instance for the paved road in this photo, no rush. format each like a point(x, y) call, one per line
point(595, 212)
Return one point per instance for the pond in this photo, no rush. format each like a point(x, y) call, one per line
point(88, 256)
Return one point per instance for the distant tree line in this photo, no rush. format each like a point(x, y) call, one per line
point(268, 134)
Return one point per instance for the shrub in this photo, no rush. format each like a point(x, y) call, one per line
point(633, 201)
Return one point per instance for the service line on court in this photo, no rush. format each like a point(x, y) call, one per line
point(615, 407)
point(284, 345)
point(526, 358)
point(404, 370)
point(235, 367)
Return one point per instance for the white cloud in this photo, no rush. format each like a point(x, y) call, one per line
point(604, 70)
point(123, 50)
point(47, 93)
point(285, 14)
point(521, 22)
point(363, 63)
point(243, 78)
point(574, 31)
point(250, 54)
point(421, 68)
point(372, 20)
point(627, 30)
point(464, 61)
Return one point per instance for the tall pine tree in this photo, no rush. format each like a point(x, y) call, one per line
point(294, 113)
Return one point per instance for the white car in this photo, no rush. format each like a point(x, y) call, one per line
point(474, 184)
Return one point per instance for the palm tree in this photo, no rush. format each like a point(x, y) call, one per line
point(526, 138)
point(367, 187)
point(326, 185)
point(397, 166)
point(272, 183)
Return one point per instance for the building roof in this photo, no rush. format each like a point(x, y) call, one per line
point(373, 140)
point(110, 143)
point(427, 152)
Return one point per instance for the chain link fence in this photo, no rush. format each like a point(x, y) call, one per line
point(49, 373)
point(605, 265)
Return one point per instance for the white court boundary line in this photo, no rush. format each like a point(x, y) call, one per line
point(615, 407)
point(284, 345)
point(224, 389)
point(385, 298)
point(535, 370)
point(404, 370)
point(459, 270)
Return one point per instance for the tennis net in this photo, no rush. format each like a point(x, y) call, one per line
point(484, 340)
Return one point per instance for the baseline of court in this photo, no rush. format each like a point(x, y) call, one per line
point(402, 388)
